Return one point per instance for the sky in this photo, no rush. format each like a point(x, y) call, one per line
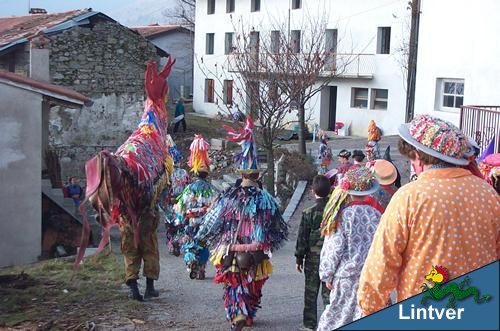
point(127, 12)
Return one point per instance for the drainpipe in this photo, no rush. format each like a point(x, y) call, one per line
point(412, 60)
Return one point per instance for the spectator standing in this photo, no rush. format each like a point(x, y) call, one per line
point(180, 111)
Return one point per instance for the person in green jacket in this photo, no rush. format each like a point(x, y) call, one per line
point(308, 249)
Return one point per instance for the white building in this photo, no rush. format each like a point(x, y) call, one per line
point(371, 32)
point(458, 57)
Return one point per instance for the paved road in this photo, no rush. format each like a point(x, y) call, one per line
point(186, 304)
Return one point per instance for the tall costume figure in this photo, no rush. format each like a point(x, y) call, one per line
point(241, 229)
point(125, 186)
point(193, 203)
point(179, 179)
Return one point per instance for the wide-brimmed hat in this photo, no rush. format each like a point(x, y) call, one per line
point(359, 181)
point(436, 137)
point(385, 172)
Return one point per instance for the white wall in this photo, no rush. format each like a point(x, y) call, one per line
point(20, 175)
point(357, 23)
point(458, 39)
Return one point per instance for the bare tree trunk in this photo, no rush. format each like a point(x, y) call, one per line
point(302, 130)
point(270, 171)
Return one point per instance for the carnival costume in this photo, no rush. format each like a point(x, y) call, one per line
point(241, 229)
point(372, 148)
point(192, 204)
point(348, 226)
point(178, 179)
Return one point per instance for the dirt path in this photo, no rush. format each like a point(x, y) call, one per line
point(186, 304)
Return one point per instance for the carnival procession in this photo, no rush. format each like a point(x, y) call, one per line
point(287, 183)
point(363, 225)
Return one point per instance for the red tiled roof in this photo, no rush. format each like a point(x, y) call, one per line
point(17, 27)
point(62, 91)
point(155, 29)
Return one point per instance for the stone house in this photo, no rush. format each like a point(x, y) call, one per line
point(179, 42)
point(92, 54)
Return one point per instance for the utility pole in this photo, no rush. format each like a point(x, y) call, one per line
point(412, 60)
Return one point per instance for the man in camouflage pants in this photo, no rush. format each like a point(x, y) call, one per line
point(308, 249)
point(146, 250)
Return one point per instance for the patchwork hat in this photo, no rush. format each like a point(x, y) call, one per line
point(198, 158)
point(247, 158)
point(385, 172)
point(359, 181)
point(436, 137)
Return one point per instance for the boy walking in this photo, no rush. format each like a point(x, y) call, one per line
point(308, 249)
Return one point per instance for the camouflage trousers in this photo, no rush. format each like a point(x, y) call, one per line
point(146, 250)
point(312, 287)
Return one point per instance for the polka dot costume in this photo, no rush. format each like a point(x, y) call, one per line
point(447, 217)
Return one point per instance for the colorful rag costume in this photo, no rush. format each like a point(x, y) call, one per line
point(192, 205)
point(125, 186)
point(348, 225)
point(241, 229)
point(447, 217)
point(179, 179)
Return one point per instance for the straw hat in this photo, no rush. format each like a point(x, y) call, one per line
point(385, 172)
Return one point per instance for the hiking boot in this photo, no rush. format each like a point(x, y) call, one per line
point(201, 275)
point(150, 289)
point(134, 290)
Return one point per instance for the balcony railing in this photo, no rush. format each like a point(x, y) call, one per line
point(481, 123)
point(340, 65)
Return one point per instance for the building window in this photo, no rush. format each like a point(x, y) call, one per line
point(229, 6)
point(384, 40)
point(451, 93)
point(255, 5)
point(227, 92)
point(228, 43)
point(209, 90)
point(359, 97)
point(275, 42)
point(296, 4)
point(210, 43)
point(210, 7)
point(295, 41)
point(378, 98)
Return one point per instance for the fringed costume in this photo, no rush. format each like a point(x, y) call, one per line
point(192, 204)
point(242, 229)
point(179, 179)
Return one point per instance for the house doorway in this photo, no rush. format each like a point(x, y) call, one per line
point(332, 107)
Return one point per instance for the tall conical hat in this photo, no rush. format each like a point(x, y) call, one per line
point(245, 138)
point(198, 159)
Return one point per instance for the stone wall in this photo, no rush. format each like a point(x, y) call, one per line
point(106, 63)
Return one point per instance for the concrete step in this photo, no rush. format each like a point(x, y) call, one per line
point(231, 178)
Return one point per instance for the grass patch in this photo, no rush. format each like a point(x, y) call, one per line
point(50, 292)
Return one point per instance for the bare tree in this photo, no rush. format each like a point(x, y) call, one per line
point(183, 13)
point(276, 72)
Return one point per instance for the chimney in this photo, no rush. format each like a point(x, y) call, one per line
point(37, 11)
point(39, 57)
